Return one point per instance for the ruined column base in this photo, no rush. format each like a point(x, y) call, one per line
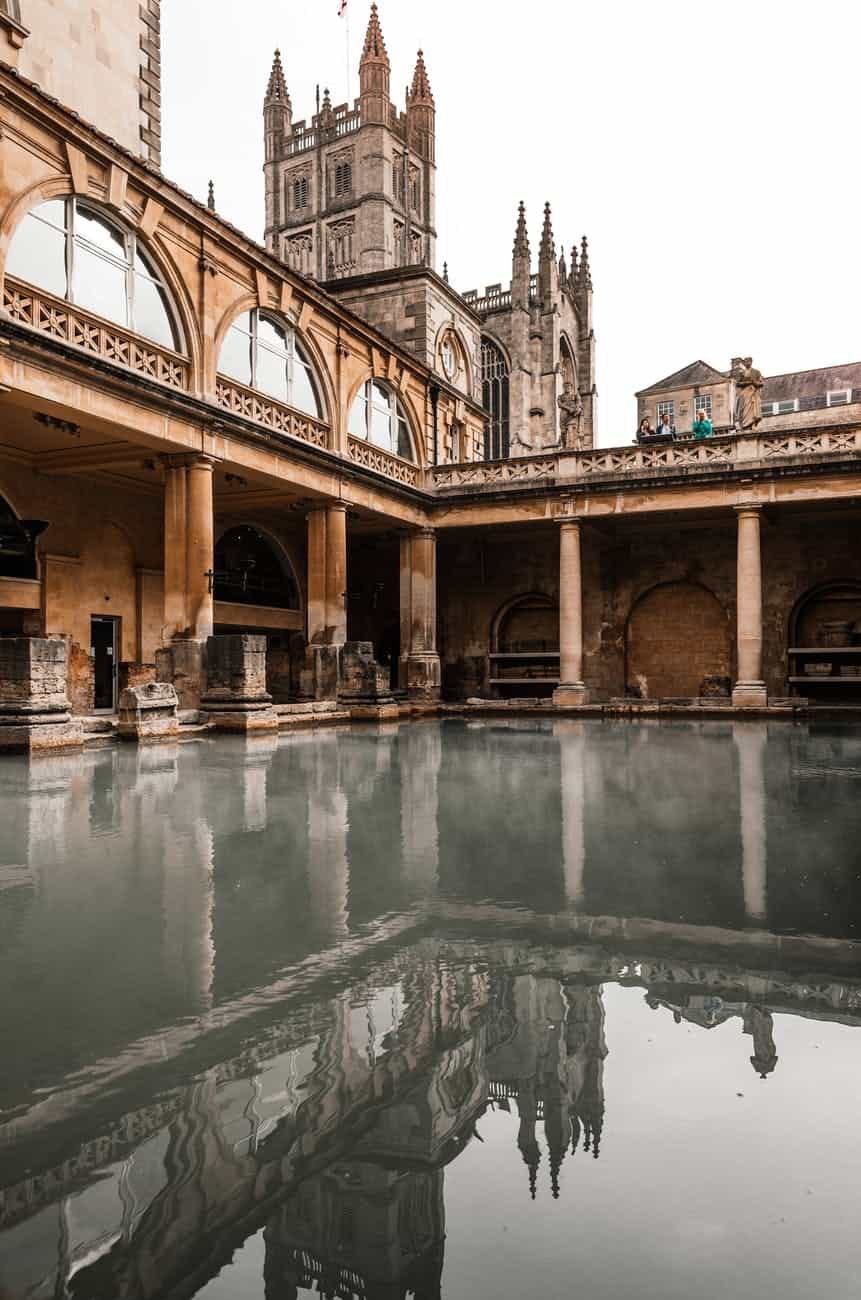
point(183, 665)
point(241, 718)
point(32, 735)
point(749, 695)
point(318, 680)
point(35, 714)
point(363, 682)
point(148, 713)
point(236, 698)
point(570, 695)
point(422, 675)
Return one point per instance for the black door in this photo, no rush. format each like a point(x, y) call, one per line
point(103, 640)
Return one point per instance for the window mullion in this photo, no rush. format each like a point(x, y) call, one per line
point(70, 248)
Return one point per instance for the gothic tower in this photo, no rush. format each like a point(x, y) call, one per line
point(352, 192)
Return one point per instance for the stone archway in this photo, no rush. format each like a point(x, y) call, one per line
point(678, 644)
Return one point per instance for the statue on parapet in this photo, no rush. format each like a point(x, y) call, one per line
point(748, 393)
point(570, 416)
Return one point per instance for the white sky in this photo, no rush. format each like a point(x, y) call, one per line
point(708, 148)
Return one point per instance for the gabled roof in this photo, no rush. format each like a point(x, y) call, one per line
point(696, 373)
point(811, 383)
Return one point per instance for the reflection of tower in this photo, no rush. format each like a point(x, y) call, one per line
point(586, 1048)
point(572, 751)
point(420, 750)
point(750, 738)
point(758, 1022)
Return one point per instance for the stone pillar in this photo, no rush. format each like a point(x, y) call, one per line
point(750, 738)
point(236, 698)
point(188, 558)
point(749, 691)
point(34, 707)
point(420, 671)
point(571, 689)
point(327, 604)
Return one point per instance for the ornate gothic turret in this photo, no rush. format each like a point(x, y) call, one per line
point(520, 261)
point(548, 275)
point(374, 75)
point(421, 113)
point(277, 110)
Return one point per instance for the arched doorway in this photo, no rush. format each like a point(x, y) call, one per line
point(825, 642)
point(678, 644)
point(524, 646)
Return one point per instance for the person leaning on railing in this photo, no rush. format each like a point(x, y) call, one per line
point(702, 426)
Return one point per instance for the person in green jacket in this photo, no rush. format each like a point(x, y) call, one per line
point(702, 426)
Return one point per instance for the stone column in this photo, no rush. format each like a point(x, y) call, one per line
point(188, 559)
point(420, 672)
point(571, 689)
point(326, 605)
point(749, 691)
point(750, 738)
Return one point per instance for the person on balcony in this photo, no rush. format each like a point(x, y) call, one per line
point(665, 429)
point(702, 426)
point(645, 430)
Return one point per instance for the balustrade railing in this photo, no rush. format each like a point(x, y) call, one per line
point(370, 457)
point(270, 414)
point(611, 462)
point(69, 323)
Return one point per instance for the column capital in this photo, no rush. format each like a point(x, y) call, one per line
point(748, 508)
point(323, 507)
point(569, 521)
point(426, 531)
point(189, 460)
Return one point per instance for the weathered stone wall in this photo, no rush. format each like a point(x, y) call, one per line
point(100, 57)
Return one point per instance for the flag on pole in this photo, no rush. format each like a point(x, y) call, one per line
point(342, 8)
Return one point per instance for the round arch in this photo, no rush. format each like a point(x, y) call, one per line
point(530, 616)
point(836, 601)
point(405, 402)
point(678, 643)
point(181, 303)
point(251, 302)
point(280, 554)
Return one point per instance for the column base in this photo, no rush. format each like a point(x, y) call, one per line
point(570, 695)
point(183, 664)
point(421, 674)
point(750, 695)
point(33, 735)
point(241, 718)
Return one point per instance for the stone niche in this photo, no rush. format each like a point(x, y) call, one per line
point(148, 712)
point(235, 695)
point(35, 713)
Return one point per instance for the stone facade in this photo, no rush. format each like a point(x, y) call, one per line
point(100, 57)
point(799, 399)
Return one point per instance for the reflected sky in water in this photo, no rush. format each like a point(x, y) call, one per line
point(460, 1009)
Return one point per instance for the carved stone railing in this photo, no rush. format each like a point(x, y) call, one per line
point(730, 451)
point(63, 320)
point(370, 457)
point(270, 414)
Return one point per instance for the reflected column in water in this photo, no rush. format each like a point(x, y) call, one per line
point(572, 752)
point(328, 863)
point(750, 738)
point(420, 753)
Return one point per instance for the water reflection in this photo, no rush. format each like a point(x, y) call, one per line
point(270, 997)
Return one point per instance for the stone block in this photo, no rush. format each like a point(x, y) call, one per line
point(236, 698)
point(362, 679)
point(148, 712)
point(34, 708)
point(183, 664)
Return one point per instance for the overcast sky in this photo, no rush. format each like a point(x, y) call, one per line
point(709, 150)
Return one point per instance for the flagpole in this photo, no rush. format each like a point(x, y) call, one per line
point(347, 16)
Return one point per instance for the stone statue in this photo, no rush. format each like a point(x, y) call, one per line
point(748, 388)
point(570, 416)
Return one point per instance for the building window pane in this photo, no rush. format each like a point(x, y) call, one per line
point(95, 231)
point(151, 313)
point(494, 389)
point(377, 416)
point(271, 335)
point(99, 285)
point(263, 353)
point(304, 392)
point(272, 375)
point(38, 252)
point(359, 416)
point(235, 359)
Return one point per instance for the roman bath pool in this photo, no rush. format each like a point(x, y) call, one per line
point(493, 1009)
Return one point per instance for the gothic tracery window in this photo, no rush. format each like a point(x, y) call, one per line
point(494, 396)
point(378, 416)
point(265, 354)
point(75, 252)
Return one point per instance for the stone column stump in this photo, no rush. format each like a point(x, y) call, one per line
point(35, 713)
point(364, 685)
point(236, 698)
point(148, 713)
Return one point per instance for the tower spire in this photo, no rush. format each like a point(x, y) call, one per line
point(585, 273)
point(548, 248)
point(420, 91)
point(548, 271)
point(374, 74)
point(521, 234)
point(421, 114)
point(276, 91)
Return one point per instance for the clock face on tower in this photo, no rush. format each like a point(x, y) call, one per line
point(448, 356)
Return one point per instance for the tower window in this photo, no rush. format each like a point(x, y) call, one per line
point(343, 178)
point(494, 392)
point(300, 193)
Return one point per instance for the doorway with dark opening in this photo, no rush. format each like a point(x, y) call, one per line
point(103, 646)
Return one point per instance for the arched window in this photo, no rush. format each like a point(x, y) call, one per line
point(69, 249)
point(494, 396)
point(249, 572)
point(343, 178)
point(300, 193)
point(378, 416)
point(265, 354)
